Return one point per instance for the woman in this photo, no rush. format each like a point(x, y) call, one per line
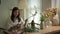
point(16, 21)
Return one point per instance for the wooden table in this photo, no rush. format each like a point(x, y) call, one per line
point(50, 30)
point(34, 33)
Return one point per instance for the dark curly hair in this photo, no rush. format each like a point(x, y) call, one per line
point(12, 15)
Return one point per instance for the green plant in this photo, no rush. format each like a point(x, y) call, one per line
point(42, 18)
point(29, 29)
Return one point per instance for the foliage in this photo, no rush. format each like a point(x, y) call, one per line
point(42, 18)
point(29, 29)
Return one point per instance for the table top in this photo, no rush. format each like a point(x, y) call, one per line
point(47, 30)
point(50, 29)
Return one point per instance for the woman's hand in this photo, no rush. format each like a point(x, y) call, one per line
point(17, 26)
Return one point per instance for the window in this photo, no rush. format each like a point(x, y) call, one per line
point(33, 7)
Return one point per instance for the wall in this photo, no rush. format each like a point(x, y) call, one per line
point(46, 4)
point(5, 11)
point(53, 3)
point(58, 6)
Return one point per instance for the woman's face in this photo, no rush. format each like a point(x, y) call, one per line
point(16, 12)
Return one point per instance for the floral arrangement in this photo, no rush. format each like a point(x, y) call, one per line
point(47, 15)
point(50, 12)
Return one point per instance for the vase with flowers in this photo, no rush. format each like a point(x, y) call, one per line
point(50, 13)
point(47, 17)
point(42, 18)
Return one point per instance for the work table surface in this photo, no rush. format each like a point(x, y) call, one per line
point(50, 29)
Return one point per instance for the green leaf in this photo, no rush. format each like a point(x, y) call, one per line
point(42, 18)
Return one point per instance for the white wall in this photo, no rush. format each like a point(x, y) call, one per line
point(4, 10)
point(58, 6)
point(46, 4)
point(53, 3)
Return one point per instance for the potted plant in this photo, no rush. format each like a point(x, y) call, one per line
point(42, 18)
